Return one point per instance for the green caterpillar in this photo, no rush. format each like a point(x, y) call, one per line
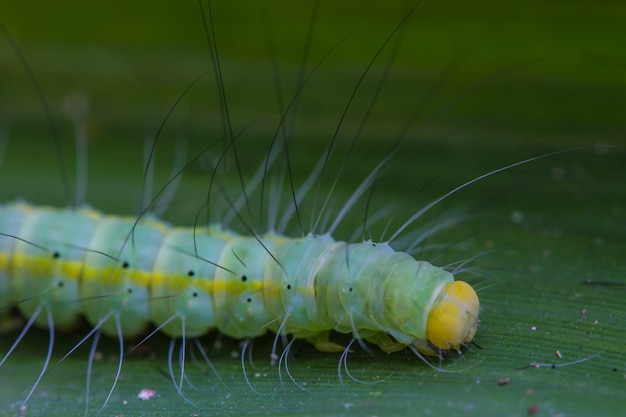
point(243, 286)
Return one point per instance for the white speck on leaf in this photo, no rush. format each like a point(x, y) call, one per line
point(146, 394)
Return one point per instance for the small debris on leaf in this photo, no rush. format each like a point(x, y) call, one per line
point(146, 394)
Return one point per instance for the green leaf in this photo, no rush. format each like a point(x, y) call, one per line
point(495, 84)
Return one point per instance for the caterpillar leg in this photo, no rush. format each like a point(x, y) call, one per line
point(422, 346)
point(323, 344)
point(10, 324)
point(385, 343)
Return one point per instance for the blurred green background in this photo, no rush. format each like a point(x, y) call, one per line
point(468, 86)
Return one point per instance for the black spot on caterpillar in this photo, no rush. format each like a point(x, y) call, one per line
point(248, 136)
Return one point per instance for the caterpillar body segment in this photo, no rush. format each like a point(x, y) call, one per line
point(120, 283)
point(48, 273)
point(11, 218)
point(178, 270)
point(121, 273)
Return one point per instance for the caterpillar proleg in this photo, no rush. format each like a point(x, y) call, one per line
point(327, 225)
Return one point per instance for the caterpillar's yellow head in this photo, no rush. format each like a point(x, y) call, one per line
point(454, 319)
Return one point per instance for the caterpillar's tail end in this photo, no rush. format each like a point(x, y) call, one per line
point(454, 320)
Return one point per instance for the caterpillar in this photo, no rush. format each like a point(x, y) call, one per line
point(236, 253)
point(242, 286)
